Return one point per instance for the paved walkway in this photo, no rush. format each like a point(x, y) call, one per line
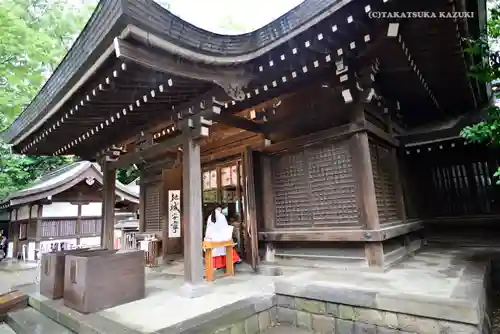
point(16, 274)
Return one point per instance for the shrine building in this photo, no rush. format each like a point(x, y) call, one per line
point(330, 135)
point(62, 210)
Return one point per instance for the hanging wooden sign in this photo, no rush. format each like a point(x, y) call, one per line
point(225, 175)
point(234, 175)
point(213, 179)
point(206, 180)
point(174, 213)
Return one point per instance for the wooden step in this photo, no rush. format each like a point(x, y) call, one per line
point(11, 301)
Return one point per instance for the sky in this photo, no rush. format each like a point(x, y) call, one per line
point(247, 15)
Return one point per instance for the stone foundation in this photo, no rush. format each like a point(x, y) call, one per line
point(322, 317)
point(255, 324)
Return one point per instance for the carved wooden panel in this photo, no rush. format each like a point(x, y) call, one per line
point(333, 189)
point(291, 190)
point(385, 191)
point(152, 208)
point(315, 187)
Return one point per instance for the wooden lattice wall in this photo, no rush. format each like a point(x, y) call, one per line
point(383, 177)
point(454, 182)
point(315, 187)
point(152, 219)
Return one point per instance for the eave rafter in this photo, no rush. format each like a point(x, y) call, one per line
point(252, 94)
point(393, 32)
point(343, 41)
point(86, 98)
point(341, 33)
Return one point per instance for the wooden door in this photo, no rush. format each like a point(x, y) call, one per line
point(250, 210)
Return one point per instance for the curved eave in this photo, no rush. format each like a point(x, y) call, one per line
point(152, 23)
point(441, 131)
point(83, 170)
point(159, 33)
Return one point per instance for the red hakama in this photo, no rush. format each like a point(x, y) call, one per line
point(219, 262)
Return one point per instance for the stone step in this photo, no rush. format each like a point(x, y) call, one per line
point(286, 330)
point(6, 329)
point(30, 321)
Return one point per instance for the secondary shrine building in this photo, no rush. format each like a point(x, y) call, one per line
point(62, 210)
point(331, 136)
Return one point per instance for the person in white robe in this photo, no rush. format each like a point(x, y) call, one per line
point(218, 230)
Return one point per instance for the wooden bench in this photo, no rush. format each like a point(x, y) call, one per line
point(94, 282)
point(209, 264)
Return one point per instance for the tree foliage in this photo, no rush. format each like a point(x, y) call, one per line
point(486, 47)
point(34, 37)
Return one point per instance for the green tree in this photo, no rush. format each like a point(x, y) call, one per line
point(485, 47)
point(128, 175)
point(34, 37)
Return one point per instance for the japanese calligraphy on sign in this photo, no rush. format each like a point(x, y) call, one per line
point(174, 213)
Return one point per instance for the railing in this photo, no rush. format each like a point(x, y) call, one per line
point(129, 241)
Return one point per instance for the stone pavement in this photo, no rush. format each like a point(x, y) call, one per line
point(434, 283)
point(16, 274)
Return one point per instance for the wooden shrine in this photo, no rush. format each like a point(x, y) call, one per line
point(300, 127)
point(62, 210)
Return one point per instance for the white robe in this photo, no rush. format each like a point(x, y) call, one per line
point(217, 231)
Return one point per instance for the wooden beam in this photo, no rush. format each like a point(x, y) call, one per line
point(192, 215)
point(239, 122)
point(317, 137)
point(346, 234)
point(108, 206)
point(381, 134)
point(149, 153)
point(168, 64)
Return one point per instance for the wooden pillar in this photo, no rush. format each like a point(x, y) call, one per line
point(142, 204)
point(78, 227)
point(192, 215)
point(365, 192)
point(15, 233)
point(251, 209)
point(108, 207)
point(397, 175)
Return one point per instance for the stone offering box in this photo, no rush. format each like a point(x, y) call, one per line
point(97, 281)
point(52, 273)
